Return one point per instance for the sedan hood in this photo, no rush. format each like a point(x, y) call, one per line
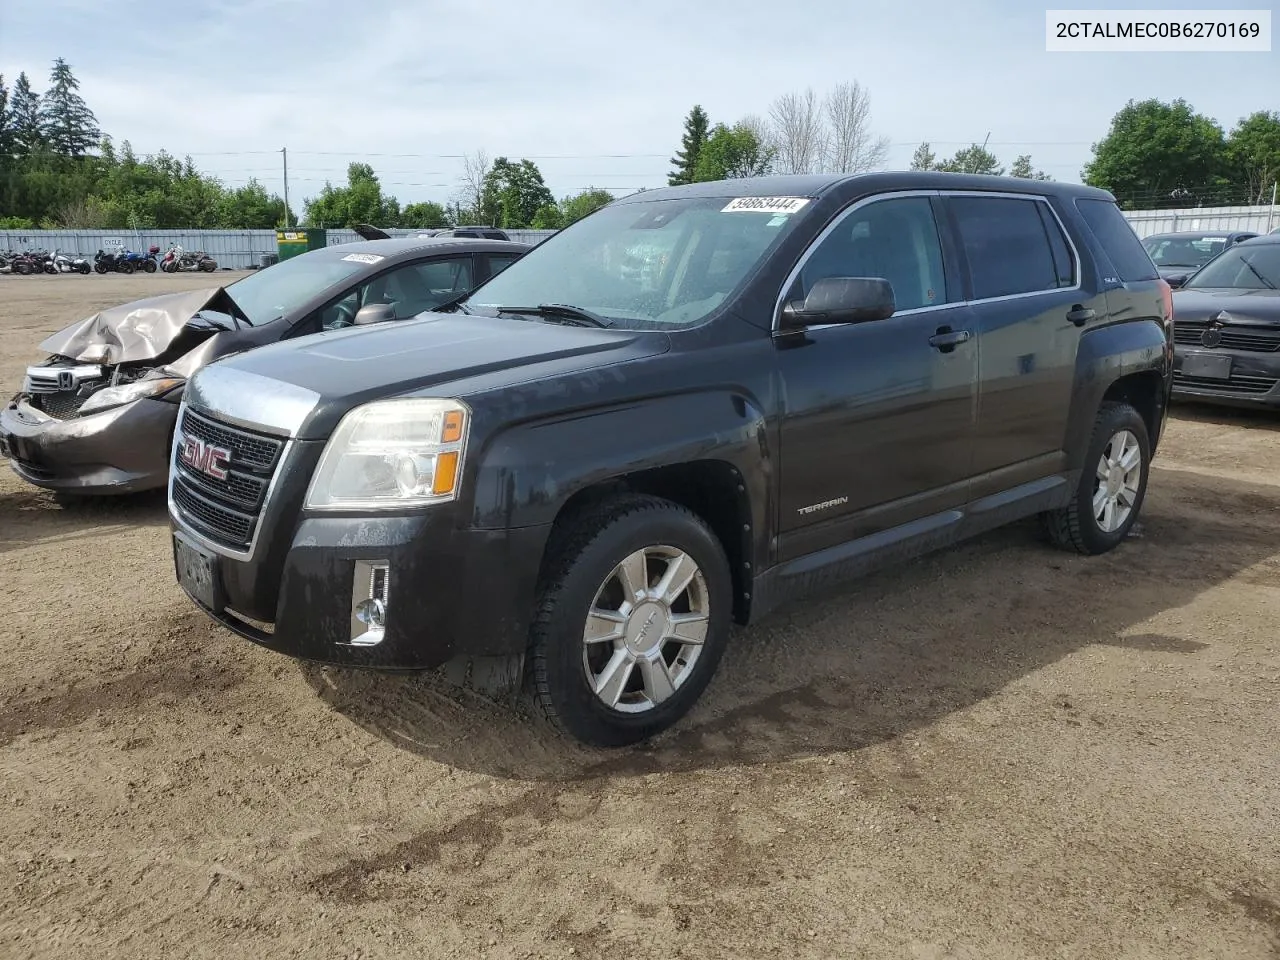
point(332, 372)
point(1236, 305)
point(141, 330)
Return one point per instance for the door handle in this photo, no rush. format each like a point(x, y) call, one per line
point(1081, 315)
point(946, 339)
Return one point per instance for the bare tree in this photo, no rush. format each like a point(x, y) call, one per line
point(475, 168)
point(796, 132)
point(850, 145)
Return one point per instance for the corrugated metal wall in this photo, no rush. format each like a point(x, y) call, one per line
point(241, 249)
point(236, 249)
point(1256, 219)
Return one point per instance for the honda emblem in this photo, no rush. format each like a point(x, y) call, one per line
point(66, 380)
point(205, 457)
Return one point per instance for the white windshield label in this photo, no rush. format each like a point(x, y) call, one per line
point(780, 205)
point(364, 257)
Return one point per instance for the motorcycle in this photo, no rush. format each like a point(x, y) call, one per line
point(104, 262)
point(31, 262)
point(178, 259)
point(146, 262)
point(65, 264)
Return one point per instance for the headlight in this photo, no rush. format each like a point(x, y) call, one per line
point(109, 397)
point(393, 453)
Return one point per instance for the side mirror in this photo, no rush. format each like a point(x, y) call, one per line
point(374, 313)
point(1176, 280)
point(841, 300)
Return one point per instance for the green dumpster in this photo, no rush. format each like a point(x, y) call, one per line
point(290, 243)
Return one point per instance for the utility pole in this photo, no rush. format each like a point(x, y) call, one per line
point(284, 155)
point(984, 149)
point(1272, 212)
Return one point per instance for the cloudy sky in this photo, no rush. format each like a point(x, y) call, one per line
point(595, 92)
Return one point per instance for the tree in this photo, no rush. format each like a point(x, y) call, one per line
point(797, 132)
point(695, 138)
point(924, 158)
point(6, 131)
point(1022, 168)
point(1253, 153)
point(733, 152)
point(1158, 153)
point(424, 216)
point(250, 207)
point(360, 201)
point(470, 199)
point(67, 124)
point(973, 159)
point(513, 193)
point(547, 217)
point(850, 145)
point(578, 206)
point(24, 117)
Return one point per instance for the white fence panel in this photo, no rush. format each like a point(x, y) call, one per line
point(1255, 219)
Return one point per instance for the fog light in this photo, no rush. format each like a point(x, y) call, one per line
point(369, 589)
point(372, 613)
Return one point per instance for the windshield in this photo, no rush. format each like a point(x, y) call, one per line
point(280, 289)
point(1245, 267)
point(1184, 251)
point(658, 264)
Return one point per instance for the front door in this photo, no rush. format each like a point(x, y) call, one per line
point(878, 418)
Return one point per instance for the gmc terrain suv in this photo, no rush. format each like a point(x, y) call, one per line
point(589, 470)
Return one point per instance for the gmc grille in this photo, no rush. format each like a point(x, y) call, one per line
point(225, 510)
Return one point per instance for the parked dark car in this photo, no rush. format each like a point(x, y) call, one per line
point(1178, 255)
point(97, 416)
point(583, 472)
point(1226, 328)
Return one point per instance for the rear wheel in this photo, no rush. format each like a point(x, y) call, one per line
point(125, 267)
point(633, 619)
point(149, 266)
point(1112, 486)
point(208, 266)
point(22, 268)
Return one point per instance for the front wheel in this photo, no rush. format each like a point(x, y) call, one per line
point(208, 266)
point(100, 267)
point(632, 621)
point(1112, 486)
point(149, 266)
point(84, 269)
point(125, 267)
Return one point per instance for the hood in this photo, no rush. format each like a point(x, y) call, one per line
point(1239, 306)
point(141, 330)
point(342, 369)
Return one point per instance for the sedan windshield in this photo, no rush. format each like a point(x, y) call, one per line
point(1184, 251)
point(657, 264)
point(278, 290)
point(1248, 267)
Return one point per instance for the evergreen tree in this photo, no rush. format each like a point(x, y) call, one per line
point(6, 134)
point(924, 158)
point(24, 117)
point(696, 128)
point(68, 125)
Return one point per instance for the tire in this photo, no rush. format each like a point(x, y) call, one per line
point(1079, 527)
point(22, 268)
point(125, 267)
point(84, 269)
point(208, 266)
point(583, 570)
point(100, 268)
point(149, 266)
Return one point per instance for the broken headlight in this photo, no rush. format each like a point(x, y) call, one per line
point(109, 397)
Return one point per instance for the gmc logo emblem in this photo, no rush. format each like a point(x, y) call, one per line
point(205, 457)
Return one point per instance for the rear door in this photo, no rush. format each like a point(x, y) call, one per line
point(1025, 286)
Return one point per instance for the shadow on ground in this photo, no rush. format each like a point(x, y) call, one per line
point(889, 654)
point(31, 515)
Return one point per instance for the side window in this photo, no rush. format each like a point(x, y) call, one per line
point(411, 288)
point(1062, 259)
point(1116, 235)
point(896, 239)
point(499, 262)
point(1008, 249)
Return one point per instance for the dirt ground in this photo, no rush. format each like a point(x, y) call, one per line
point(1000, 751)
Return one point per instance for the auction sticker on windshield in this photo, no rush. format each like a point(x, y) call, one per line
point(364, 257)
point(764, 204)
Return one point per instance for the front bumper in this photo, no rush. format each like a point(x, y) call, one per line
point(451, 591)
point(122, 450)
point(1254, 379)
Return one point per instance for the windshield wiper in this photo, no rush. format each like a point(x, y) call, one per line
point(455, 303)
point(1254, 270)
point(579, 316)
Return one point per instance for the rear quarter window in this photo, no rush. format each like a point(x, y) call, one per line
point(1122, 246)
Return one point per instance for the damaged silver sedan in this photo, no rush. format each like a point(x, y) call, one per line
point(97, 416)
